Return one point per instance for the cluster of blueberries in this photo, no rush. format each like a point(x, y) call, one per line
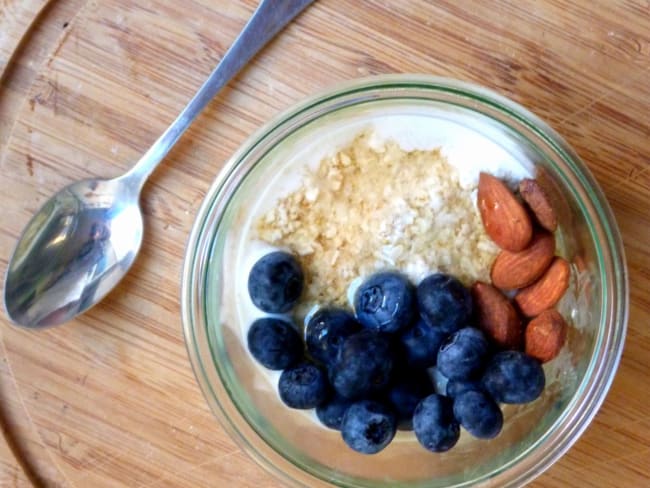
point(367, 373)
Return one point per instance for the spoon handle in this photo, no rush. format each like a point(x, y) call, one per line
point(268, 19)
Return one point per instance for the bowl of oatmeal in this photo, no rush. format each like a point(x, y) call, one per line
point(383, 174)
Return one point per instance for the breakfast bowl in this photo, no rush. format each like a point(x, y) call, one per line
point(476, 130)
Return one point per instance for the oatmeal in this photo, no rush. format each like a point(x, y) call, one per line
point(374, 205)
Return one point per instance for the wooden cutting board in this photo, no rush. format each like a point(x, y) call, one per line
point(110, 399)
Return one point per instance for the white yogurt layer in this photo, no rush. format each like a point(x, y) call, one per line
point(469, 151)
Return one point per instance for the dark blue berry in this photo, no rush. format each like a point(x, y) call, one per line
point(368, 426)
point(464, 355)
point(326, 331)
point(444, 302)
point(385, 302)
point(404, 395)
point(513, 377)
point(456, 387)
point(331, 412)
point(363, 365)
point(420, 344)
point(478, 413)
point(303, 386)
point(275, 282)
point(274, 343)
point(434, 423)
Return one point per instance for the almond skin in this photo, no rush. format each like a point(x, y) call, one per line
point(512, 270)
point(545, 292)
point(545, 335)
point(496, 316)
point(504, 218)
point(539, 202)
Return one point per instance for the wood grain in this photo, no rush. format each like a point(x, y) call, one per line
point(16, 18)
point(110, 399)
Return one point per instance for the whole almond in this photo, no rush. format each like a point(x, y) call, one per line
point(546, 291)
point(545, 335)
point(496, 316)
point(539, 202)
point(505, 219)
point(512, 270)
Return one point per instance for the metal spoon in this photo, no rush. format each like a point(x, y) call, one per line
point(82, 242)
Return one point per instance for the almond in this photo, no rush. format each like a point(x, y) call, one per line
point(539, 202)
point(496, 316)
point(504, 218)
point(512, 270)
point(545, 335)
point(545, 292)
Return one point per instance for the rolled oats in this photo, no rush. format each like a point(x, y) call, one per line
point(371, 207)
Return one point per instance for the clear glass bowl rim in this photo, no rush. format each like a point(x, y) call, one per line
point(610, 340)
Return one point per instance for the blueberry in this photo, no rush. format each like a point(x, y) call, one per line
point(404, 395)
point(274, 343)
point(326, 331)
point(275, 282)
point(331, 412)
point(513, 377)
point(385, 302)
point(464, 354)
point(420, 344)
point(303, 386)
point(444, 302)
point(368, 426)
point(456, 387)
point(363, 365)
point(434, 423)
point(478, 414)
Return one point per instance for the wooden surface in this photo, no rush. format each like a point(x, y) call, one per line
point(110, 399)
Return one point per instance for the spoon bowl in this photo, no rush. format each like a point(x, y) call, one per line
point(74, 250)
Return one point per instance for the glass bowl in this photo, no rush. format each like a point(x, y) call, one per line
point(290, 443)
